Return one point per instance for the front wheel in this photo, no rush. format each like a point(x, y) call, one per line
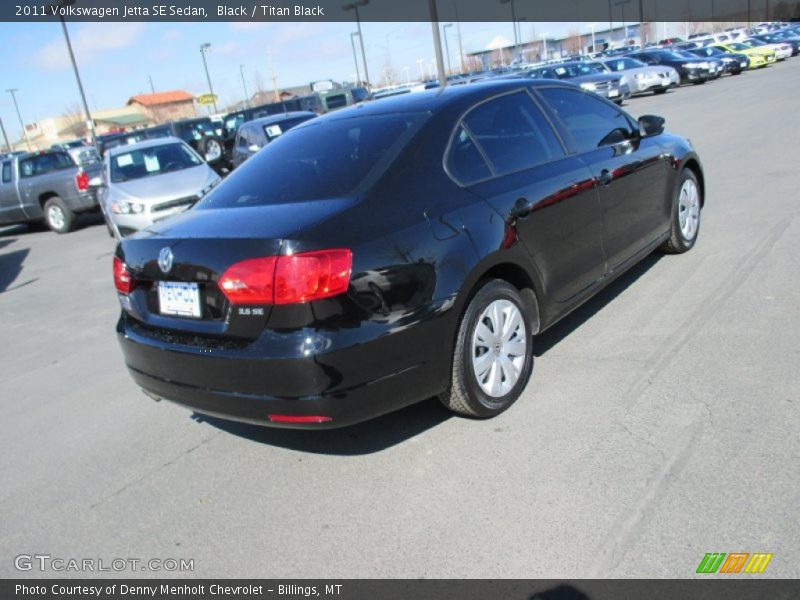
point(58, 216)
point(493, 356)
point(686, 208)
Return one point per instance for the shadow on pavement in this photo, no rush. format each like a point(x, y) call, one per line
point(561, 592)
point(363, 438)
point(561, 330)
point(11, 267)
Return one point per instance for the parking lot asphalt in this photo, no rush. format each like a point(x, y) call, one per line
point(661, 421)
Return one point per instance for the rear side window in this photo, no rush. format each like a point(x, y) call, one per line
point(6, 172)
point(591, 122)
point(513, 134)
point(464, 161)
point(45, 163)
point(330, 159)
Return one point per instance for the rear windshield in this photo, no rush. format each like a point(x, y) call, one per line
point(321, 160)
point(151, 161)
point(621, 64)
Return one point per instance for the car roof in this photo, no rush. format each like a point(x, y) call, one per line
point(437, 99)
point(160, 141)
point(270, 119)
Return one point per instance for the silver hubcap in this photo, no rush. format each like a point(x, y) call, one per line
point(499, 345)
point(213, 151)
point(56, 217)
point(689, 209)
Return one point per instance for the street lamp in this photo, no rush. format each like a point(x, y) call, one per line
point(544, 42)
point(513, 22)
point(355, 56)
point(592, 26)
point(203, 49)
point(19, 116)
point(446, 48)
point(354, 6)
point(244, 85)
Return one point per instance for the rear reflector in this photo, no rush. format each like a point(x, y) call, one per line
point(123, 280)
point(288, 279)
point(82, 181)
point(299, 419)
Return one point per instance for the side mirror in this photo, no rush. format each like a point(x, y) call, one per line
point(650, 125)
point(96, 182)
point(253, 148)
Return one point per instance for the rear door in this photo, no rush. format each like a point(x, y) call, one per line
point(631, 171)
point(527, 176)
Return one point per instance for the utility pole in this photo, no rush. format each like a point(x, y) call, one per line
point(437, 42)
point(354, 6)
point(446, 47)
point(355, 56)
point(152, 87)
point(244, 85)
point(460, 49)
point(5, 137)
point(274, 77)
point(203, 49)
point(19, 116)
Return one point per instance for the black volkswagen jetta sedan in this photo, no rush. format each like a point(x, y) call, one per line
point(403, 249)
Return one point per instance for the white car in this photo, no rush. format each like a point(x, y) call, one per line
point(782, 51)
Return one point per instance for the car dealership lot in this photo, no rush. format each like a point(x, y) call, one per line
point(660, 422)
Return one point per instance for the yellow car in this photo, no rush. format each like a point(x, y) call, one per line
point(756, 57)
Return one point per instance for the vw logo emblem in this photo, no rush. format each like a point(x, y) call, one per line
point(165, 260)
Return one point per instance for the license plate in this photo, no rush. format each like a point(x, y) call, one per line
point(612, 93)
point(180, 299)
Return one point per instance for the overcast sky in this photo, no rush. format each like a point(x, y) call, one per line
point(116, 59)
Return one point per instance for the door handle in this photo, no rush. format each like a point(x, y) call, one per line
point(605, 177)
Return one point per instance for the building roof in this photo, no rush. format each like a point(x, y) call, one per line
point(161, 98)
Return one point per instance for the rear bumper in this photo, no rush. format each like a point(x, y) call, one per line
point(348, 375)
point(82, 201)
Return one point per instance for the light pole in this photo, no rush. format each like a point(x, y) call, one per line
point(408, 77)
point(89, 122)
point(446, 48)
point(420, 62)
point(544, 43)
point(513, 22)
point(355, 56)
point(437, 41)
point(244, 85)
point(521, 41)
point(203, 49)
point(354, 6)
point(19, 116)
point(592, 26)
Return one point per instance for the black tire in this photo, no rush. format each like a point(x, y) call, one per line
point(699, 82)
point(465, 395)
point(679, 243)
point(58, 216)
point(661, 91)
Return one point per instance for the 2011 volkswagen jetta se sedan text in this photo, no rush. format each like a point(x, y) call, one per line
point(402, 249)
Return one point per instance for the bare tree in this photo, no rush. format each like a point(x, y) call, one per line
point(74, 121)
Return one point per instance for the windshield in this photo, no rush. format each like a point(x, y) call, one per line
point(753, 43)
point(322, 160)
point(154, 160)
point(567, 71)
point(707, 52)
point(621, 64)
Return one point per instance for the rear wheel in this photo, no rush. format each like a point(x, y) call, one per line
point(493, 356)
point(661, 91)
point(58, 216)
point(686, 209)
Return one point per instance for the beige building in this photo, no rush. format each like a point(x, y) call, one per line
point(165, 106)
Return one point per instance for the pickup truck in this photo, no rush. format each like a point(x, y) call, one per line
point(46, 186)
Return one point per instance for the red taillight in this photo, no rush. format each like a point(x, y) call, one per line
point(299, 418)
point(123, 280)
point(288, 279)
point(82, 181)
point(250, 281)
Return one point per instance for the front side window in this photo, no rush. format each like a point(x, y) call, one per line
point(155, 160)
point(591, 122)
point(513, 133)
point(6, 172)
